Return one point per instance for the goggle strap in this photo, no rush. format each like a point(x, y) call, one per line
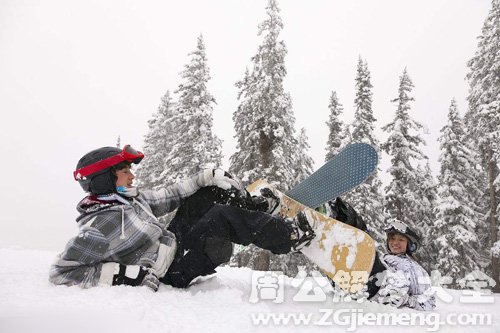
point(124, 155)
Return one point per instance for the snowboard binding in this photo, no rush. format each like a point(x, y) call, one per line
point(267, 201)
point(303, 232)
point(272, 200)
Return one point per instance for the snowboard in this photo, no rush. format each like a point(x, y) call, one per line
point(344, 253)
point(346, 170)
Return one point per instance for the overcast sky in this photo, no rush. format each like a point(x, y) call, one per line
point(74, 75)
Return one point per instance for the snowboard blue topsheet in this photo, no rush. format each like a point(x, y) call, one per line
point(346, 170)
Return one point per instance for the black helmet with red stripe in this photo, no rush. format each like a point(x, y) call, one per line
point(94, 171)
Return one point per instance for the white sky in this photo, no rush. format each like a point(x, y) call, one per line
point(76, 74)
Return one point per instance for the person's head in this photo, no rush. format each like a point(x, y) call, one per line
point(401, 239)
point(102, 170)
point(123, 173)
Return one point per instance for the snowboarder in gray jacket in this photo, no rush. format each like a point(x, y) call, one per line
point(122, 241)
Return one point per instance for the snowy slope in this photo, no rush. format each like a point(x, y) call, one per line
point(29, 303)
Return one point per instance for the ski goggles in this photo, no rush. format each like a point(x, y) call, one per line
point(397, 226)
point(128, 154)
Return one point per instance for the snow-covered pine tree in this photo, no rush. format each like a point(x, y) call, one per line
point(426, 190)
point(336, 128)
point(303, 164)
point(289, 264)
point(154, 172)
point(454, 231)
point(363, 124)
point(403, 146)
point(264, 125)
point(195, 147)
point(118, 142)
point(367, 198)
point(245, 162)
point(484, 116)
point(264, 120)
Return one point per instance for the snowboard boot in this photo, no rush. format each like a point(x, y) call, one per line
point(273, 202)
point(303, 233)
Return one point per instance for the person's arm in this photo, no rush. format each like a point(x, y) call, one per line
point(422, 302)
point(423, 299)
point(168, 199)
point(85, 260)
point(68, 272)
point(82, 261)
point(395, 286)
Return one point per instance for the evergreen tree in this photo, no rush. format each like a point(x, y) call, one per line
point(264, 120)
point(289, 263)
point(484, 116)
point(154, 172)
point(364, 121)
point(456, 213)
point(403, 145)
point(245, 162)
point(426, 190)
point(336, 128)
point(367, 198)
point(304, 164)
point(118, 142)
point(195, 147)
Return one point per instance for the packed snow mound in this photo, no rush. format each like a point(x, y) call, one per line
point(227, 302)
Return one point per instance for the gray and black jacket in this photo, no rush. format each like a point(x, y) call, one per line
point(115, 229)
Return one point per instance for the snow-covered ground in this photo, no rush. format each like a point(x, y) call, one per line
point(223, 303)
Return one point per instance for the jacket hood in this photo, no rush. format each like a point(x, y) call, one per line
point(92, 204)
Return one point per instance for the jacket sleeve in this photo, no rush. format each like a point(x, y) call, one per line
point(168, 199)
point(83, 260)
point(421, 302)
point(423, 297)
point(405, 283)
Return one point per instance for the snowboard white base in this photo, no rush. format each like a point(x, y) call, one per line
point(344, 253)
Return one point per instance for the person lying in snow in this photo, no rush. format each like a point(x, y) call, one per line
point(121, 241)
point(396, 277)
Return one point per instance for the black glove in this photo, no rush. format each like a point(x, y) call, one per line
point(134, 275)
point(344, 212)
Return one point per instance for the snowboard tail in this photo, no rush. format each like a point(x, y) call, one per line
point(349, 168)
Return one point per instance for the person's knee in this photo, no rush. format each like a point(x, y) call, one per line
point(221, 215)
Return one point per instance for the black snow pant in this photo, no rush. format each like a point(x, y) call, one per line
point(206, 225)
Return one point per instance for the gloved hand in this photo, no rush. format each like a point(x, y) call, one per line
point(393, 288)
point(135, 275)
point(219, 178)
point(166, 253)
